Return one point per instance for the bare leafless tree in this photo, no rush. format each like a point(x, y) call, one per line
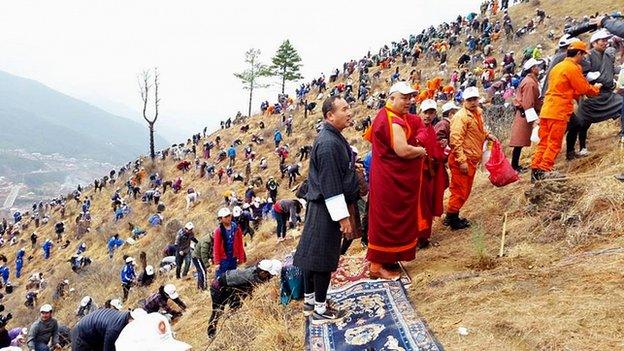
point(144, 88)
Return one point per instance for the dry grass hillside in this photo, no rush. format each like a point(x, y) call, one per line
point(558, 286)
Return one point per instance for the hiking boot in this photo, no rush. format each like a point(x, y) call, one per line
point(583, 152)
point(457, 223)
point(536, 175)
point(465, 221)
point(571, 156)
point(331, 315)
point(447, 219)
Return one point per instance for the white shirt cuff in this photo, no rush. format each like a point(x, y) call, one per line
point(337, 207)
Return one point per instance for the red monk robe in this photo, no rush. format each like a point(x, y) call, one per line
point(394, 186)
point(434, 181)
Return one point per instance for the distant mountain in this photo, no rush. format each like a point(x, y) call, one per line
point(168, 127)
point(39, 119)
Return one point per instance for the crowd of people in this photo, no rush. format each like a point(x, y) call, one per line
point(428, 136)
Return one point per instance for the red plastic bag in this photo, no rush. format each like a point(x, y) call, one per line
point(501, 172)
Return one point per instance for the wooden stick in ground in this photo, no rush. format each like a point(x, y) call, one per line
point(501, 252)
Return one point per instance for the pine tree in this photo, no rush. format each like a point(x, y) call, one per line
point(286, 63)
point(249, 77)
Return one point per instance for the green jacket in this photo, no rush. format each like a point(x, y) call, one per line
point(203, 250)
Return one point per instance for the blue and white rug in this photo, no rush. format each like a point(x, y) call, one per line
point(380, 318)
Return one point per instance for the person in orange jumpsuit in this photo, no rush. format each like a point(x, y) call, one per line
point(468, 134)
point(566, 83)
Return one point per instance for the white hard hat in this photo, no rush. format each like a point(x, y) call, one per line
point(149, 270)
point(530, 63)
point(170, 290)
point(600, 34)
point(224, 212)
point(449, 106)
point(116, 303)
point(189, 226)
point(150, 332)
point(245, 206)
point(46, 308)
point(236, 211)
point(274, 267)
point(401, 87)
point(428, 105)
point(129, 259)
point(471, 92)
point(85, 301)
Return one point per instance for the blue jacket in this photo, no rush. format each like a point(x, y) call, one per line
point(277, 136)
point(100, 329)
point(4, 272)
point(155, 220)
point(114, 243)
point(231, 152)
point(368, 158)
point(127, 273)
point(19, 260)
point(47, 245)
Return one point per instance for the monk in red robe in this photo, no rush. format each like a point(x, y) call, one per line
point(434, 179)
point(395, 179)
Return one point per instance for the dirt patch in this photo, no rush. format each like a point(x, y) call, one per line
point(483, 264)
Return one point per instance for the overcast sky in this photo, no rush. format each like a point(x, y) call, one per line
point(93, 50)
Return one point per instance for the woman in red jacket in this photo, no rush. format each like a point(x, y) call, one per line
point(228, 249)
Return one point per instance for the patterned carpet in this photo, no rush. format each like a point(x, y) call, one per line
point(353, 269)
point(380, 318)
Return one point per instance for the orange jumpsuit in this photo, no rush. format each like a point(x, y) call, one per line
point(565, 84)
point(468, 134)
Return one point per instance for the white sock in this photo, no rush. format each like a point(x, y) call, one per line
point(308, 298)
point(320, 307)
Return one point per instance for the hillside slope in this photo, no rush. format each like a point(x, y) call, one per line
point(558, 287)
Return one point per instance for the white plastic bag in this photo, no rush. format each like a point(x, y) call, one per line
point(535, 134)
point(487, 151)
